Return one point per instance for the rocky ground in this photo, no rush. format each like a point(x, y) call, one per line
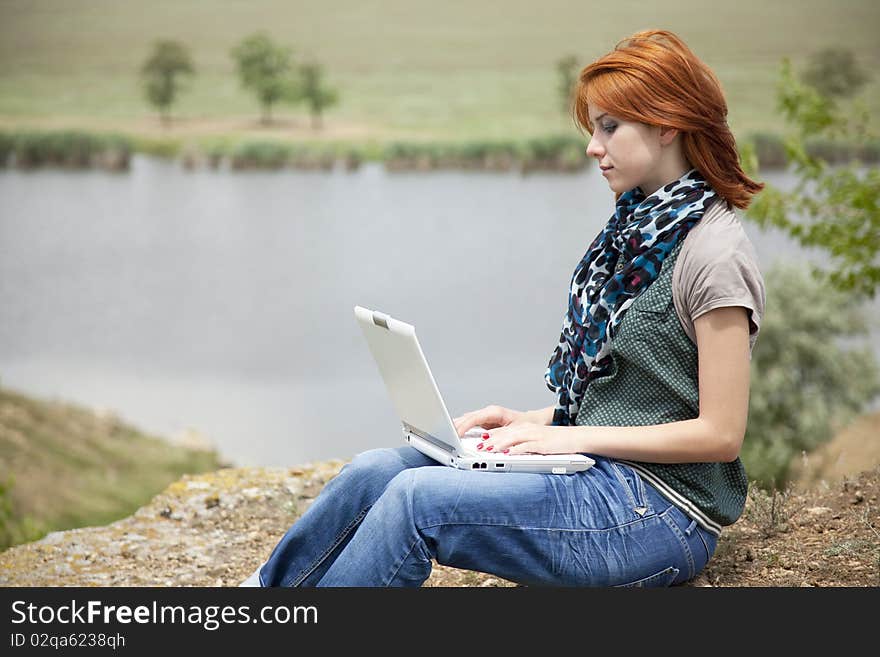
point(214, 529)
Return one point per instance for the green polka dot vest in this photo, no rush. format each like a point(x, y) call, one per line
point(653, 380)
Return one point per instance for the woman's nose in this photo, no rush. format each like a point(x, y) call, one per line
point(593, 149)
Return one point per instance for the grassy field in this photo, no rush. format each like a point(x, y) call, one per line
point(64, 466)
point(405, 69)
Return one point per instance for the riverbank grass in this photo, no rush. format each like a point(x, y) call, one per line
point(30, 148)
point(66, 466)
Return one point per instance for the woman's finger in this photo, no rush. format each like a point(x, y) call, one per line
point(465, 424)
point(498, 442)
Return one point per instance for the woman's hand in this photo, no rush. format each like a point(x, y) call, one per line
point(530, 438)
point(489, 417)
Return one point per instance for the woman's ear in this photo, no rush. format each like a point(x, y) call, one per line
point(667, 135)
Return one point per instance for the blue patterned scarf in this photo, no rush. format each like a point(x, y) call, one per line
point(620, 264)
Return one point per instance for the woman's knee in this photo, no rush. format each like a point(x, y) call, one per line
point(374, 459)
point(400, 488)
point(424, 495)
point(404, 496)
point(372, 469)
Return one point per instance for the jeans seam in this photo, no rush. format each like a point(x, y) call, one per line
point(629, 492)
point(683, 542)
point(402, 561)
point(308, 570)
point(705, 545)
point(442, 523)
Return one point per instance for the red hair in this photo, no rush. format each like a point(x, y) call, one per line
point(652, 77)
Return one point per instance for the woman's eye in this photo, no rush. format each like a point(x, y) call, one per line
point(609, 128)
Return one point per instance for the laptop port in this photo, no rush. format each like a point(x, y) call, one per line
point(499, 465)
point(475, 466)
point(483, 466)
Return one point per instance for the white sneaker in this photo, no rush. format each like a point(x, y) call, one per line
point(254, 579)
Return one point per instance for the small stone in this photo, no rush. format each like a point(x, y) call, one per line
point(252, 493)
point(750, 556)
point(818, 510)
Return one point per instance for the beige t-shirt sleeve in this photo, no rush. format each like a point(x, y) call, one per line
point(718, 267)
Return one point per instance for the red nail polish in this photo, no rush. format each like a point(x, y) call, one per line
point(479, 445)
point(505, 451)
point(489, 448)
point(485, 435)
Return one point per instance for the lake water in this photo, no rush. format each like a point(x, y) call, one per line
point(222, 301)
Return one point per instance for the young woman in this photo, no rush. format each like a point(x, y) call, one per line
point(650, 373)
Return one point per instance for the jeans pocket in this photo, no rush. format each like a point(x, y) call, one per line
point(635, 489)
point(710, 541)
point(658, 580)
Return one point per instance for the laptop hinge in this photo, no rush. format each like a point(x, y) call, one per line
point(428, 437)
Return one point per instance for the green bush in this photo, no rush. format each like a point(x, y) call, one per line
point(7, 147)
point(70, 148)
point(411, 155)
point(401, 150)
point(805, 386)
point(869, 151)
point(770, 150)
point(555, 153)
point(312, 157)
point(352, 156)
point(166, 147)
point(830, 150)
point(261, 155)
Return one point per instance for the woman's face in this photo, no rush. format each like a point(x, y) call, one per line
point(632, 149)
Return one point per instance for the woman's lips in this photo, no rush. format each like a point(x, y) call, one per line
point(605, 171)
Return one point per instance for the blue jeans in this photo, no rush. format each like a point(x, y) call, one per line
point(389, 512)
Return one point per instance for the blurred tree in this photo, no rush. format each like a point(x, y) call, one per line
point(804, 386)
point(267, 70)
point(161, 74)
point(317, 96)
point(835, 72)
point(567, 69)
point(841, 211)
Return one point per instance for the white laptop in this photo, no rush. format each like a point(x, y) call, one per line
point(427, 425)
